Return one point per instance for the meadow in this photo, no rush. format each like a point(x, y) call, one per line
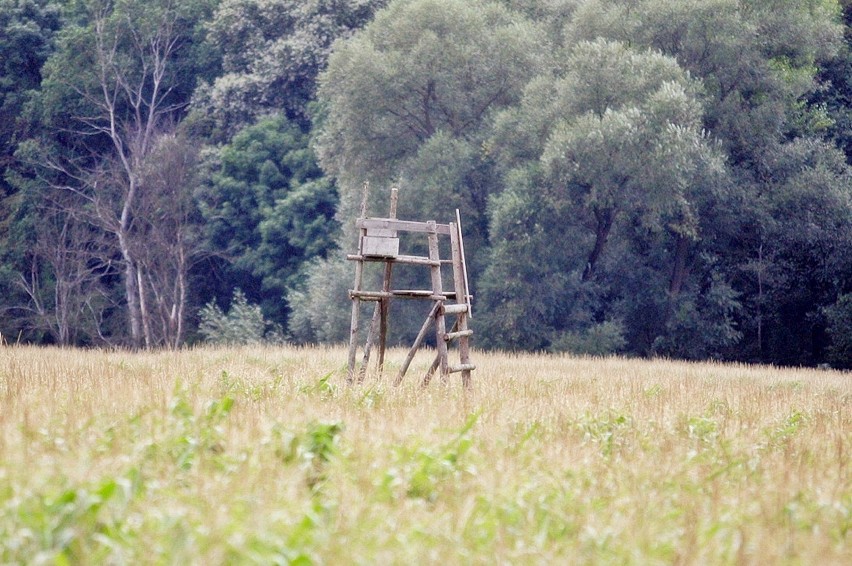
point(263, 455)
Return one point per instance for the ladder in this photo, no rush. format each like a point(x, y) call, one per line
point(378, 241)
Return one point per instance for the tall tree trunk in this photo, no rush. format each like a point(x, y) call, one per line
point(131, 292)
point(604, 218)
point(143, 308)
point(679, 269)
point(181, 299)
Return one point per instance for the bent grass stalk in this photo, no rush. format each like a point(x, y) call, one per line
point(264, 455)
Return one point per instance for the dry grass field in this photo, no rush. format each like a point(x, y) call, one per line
point(264, 455)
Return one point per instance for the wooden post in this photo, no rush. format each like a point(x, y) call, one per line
point(356, 302)
point(462, 296)
point(437, 290)
point(384, 304)
point(417, 341)
point(380, 311)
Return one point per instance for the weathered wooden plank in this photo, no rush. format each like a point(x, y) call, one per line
point(417, 341)
point(402, 225)
point(412, 259)
point(437, 289)
point(380, 246)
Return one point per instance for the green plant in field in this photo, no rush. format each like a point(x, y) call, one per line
point(701, 428)
point(312, 449)
point(196, 434)
point(422, 471)
point(607, 430)
point(323, 387)
point(77, 524)
point(787, 429)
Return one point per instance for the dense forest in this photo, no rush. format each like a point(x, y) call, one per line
point(642, 177)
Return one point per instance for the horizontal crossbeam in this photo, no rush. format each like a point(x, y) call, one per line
point(402, 225)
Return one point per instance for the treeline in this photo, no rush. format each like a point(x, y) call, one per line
point(646, 177)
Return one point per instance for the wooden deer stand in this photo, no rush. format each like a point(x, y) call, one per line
point(378, 241)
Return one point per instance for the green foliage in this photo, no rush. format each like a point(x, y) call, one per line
point(312, 449)
point(272, 52)
point(421, 69)
point(27, 31)
point(598, 340)
point(702, 327)
point(269, 209)
point(651, 177)
point(839, 328)
point(242, 324)
point(424, 472)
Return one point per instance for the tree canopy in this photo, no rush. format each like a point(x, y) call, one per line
point(647, 177)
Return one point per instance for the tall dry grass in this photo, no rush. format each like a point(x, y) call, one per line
point(263, 455)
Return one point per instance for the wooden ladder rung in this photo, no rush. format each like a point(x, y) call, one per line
point(455, 309)
point(462, 367)
point(402, 294)
point(412, 259)
point(453, 335)
point(423, 293)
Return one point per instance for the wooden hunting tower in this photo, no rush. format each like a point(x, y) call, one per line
point(378, 241)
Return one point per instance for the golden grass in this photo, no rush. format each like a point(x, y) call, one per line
point(263, 455)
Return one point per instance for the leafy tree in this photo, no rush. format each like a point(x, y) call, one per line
point(27, 29)
point(272, 52)
point(839, 317)
point(242, 324)
point(27, 32)
point(110, 100)
point(616, 139)
point(409, 99)
point(706, 269)
point(268, 209)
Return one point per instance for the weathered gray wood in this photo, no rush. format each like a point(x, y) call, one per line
point(416, 260)
point(455, 309)
point(385, 244)
point(437, 289)
point(362, 372)
point(402, 225)
point(379, 246)
point(382, 233)
point(453, 335)
point(400, 294)
point(384, 305)
point(462, 368)
point(463, 297)
point(430, 318)
point(356, 303)
point(427, 377)
point(467, 296)
point(353, 328)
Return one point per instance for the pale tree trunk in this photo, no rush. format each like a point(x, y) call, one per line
point(128, 91)
point(143, 308)
point(131, 294)
point(132, 142)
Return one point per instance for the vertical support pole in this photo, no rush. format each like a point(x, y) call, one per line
point(380, 311)
point(356, 302)
point(462, 297)
point(386, 284)
point(437, 291)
